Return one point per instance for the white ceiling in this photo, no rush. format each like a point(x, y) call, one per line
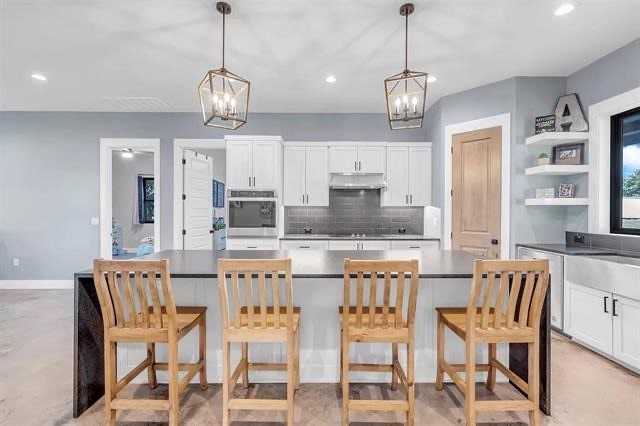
point(95, 52)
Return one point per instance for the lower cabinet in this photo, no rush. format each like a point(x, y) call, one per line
point(253, 244)
point(304, 245)
point(344, 245)
point(588, 316)
point(415, 244)
point(626, 330)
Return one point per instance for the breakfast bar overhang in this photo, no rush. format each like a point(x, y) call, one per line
point(445, 277)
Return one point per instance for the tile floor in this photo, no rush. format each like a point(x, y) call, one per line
point(36, 334)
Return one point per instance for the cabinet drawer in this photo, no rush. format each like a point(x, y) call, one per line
point(304, 245)
point(252, 244)
point(414, 245)
point(343, 245)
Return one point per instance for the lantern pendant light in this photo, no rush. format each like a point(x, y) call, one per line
point(406, 92)
point(224, 96)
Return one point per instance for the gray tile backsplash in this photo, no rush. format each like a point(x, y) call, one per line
point(620, 243)
point(354, 211)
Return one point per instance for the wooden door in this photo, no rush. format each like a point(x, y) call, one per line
point(476, 192)
point(294, 174)
point(397, 192)
point(317, 176)
point(197, 203)
point(420, 176)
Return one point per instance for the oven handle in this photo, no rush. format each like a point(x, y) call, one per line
point(254, 199)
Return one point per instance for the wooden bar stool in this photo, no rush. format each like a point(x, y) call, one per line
point(521, 290)
point(393, 323)
point(132, 311)
point(250, 322)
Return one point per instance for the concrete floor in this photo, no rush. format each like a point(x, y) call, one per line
point(36, 335)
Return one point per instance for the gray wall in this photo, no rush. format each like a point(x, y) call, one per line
point(356, 211)
point(124, 192)
point(49, 174)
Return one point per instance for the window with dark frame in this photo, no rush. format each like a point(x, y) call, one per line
point(145, 199)
point(625, 173)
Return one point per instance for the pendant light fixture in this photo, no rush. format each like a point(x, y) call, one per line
point(224, 96)
point(406, 92)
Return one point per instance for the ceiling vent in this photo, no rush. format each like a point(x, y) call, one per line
point(136, 104)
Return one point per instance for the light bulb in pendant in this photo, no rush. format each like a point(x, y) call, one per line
point(226, 97)
point(405, 99)
point(414, 101)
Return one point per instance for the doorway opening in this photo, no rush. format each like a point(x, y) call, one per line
point(129, 197)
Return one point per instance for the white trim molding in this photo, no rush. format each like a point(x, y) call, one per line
point(179, 145)
point(503, 121)
point(107, 146)
point(36, 284)
point(600, 154)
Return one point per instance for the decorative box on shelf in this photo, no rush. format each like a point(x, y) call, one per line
point(545, 192)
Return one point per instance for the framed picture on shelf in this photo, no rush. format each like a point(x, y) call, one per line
point(568, 154)
point(566, 190)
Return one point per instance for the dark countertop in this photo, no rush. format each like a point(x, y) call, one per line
point(389, 237)
point(569, 250)
point(313, 263)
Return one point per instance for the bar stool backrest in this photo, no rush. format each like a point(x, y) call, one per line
point(515, 299)
point(130, 291)
point(241, 280)
point(398, 308)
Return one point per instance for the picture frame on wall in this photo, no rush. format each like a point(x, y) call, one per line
point(566, 190)
point(572, 154)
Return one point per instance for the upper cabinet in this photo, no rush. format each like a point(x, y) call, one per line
point(306, 175)
point(254, 162)
point(408, 175)
point(351, 158)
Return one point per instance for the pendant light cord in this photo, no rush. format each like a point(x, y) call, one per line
point(223, 30)
point(406, 41)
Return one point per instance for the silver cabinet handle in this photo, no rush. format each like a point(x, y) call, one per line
point(302, 198)
point(249, 181)
point(360, 165)
point(355, 166)
point(254, 181)
point(411, 199)
point(304, 247)
point(252, 247)
point(307, 198)
point(406, 199)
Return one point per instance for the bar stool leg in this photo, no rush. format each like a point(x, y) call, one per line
point(440, 343)
point(491, 375)
point(245, 370)
point(291, 379)
point(110, 382)
point(225, 383)
point(345, 379)
point(340, 355)
point(151, 371)
point(533, 380)
point(202, 349)
point(470, 379)
point(297, 364)
point(174, 384)
point(394, 373)
point(411, 388)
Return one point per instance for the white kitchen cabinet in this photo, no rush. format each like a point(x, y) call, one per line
point(365, 158)
point(253, 244)
point(415, 244)
point(344, 245)
point(306, 176)
point(588, 316)
point(239, 164)
point(408, 176)
point(343, 158)
point(254, 163)
point(626, 330)
point(372, 158)
point(375, 245)
point(304, 245)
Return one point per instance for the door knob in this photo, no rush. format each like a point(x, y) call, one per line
point(494, 242)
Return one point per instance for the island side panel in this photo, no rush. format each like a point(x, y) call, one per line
point(88, 346)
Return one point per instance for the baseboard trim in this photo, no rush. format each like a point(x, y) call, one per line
point(36, 284)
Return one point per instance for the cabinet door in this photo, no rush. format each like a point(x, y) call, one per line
point(304, 245)
point(239, 164)
point(588, 316)
point(372, 159)
point(626, 330)
point(253, 244)
point(317, 176)
point(415, 245)
point(375, 245)
point(420, 176)
point(397, 193)
point(343, 245)
point(343, 159)
point(264, 165)
point(294, 176)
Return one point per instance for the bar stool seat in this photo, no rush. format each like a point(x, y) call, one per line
point(257, 312)
point(380, 318)
point(456, 320)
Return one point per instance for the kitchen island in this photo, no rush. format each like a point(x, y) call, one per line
point(445, 277)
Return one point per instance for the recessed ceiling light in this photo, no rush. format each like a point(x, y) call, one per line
point(39, 77)
point(127, 153)
point(564, 9)
point(330, 79)
point(431, 79)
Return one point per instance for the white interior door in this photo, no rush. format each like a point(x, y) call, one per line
point(197, 201)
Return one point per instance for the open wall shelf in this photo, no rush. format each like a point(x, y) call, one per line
point(556, 138)
point(557, 170)
point(556, 202)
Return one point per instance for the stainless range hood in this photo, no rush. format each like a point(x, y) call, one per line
point(357, 181)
